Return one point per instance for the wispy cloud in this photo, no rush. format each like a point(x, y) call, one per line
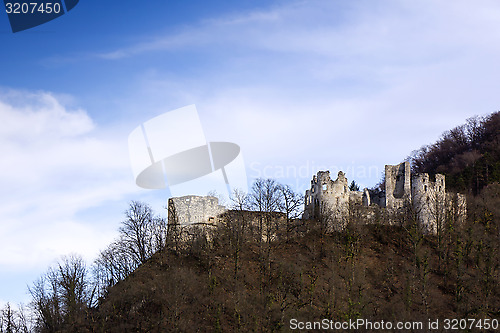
point(330, 82)
point(351, 79)
point(55, 165)
point(326, 80)
point(400, 31)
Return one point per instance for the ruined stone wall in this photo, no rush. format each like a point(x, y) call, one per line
point(397, 185)
point(335, 195)
point(331, 199)
point(192, 209)
point(429, 200)
point(356, 198)
point(432, 204)
point(457, 206)
point(264, 226)
point(326, 196)
point(377, 198)
point(191, 218)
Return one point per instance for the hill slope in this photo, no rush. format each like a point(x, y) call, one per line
point(372, 272)
point(469, 155)
point(238, 282)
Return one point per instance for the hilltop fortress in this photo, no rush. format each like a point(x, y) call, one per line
point(332, 201)
point(426, 198)
point(190, 217)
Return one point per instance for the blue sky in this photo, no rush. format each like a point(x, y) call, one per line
point(299, 85)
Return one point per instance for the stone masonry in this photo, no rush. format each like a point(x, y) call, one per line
point(193, 209)
point(191, 217)
point(428, 198)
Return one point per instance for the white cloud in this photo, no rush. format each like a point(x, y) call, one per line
point(326, 81)
point(300, 84)
point(56, 165)
point(338, 81)
point(396, 31)
point(33, 114)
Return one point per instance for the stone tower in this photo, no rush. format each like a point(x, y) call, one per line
point(429, 201)
point(331, 198)
point(426, 197)
point(397, 185)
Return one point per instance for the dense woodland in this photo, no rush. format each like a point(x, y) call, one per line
point(238, 280)
point(469, 155)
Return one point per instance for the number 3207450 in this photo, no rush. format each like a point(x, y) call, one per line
point(32, 8)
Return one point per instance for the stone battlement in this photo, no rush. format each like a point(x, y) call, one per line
point(332, 199)
point(192, 216)
point(193, 209)
point(428, 198)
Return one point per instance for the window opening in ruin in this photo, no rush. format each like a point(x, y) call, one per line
point(324, 187)
point(425, 188)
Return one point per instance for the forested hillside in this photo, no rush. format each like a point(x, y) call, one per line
point(469, 155)
point(146, 281)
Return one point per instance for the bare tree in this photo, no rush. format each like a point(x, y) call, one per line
point(135, 231)
point(222, 198)
point(13, 321)
point(46, 302)
point(61, 297)
point(141, 235)
point(235, 224)
point(158, 231)
point(265, 198)
point(265, 195)
point(240, 200)
point(76, 293)
point(112, 265)
point(291, 204)
point(174, 229)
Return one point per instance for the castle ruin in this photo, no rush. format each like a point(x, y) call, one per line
point(403, 192)
point(425, 196)
point(193, 209)
point(191, 217)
